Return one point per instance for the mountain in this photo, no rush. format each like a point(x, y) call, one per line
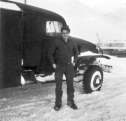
point(119, 15)
point(107, 6)
point(85, 22)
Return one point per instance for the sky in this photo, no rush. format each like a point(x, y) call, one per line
point(104, 6)
point(92, 3)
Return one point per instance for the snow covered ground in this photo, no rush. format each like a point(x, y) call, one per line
point(35, 102)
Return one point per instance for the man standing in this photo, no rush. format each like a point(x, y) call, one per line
point(60, 56)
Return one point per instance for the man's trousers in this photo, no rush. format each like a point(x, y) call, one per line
point(68, 70)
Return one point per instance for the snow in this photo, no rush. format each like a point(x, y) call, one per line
point(35, 102)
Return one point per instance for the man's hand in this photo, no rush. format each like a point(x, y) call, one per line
point(73, 64)
point(54, 66)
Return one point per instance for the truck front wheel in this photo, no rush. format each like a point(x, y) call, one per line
point(93, 79)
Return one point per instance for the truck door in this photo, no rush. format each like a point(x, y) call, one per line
point(52, 32)
point(33, 40)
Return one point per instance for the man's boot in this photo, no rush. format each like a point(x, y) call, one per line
point(72, 105)
point(58, 106)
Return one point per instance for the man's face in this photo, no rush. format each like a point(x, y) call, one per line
point(65, 34)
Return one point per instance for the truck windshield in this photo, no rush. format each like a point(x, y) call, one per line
point(53, 28)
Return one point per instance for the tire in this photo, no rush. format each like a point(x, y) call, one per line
point(93, 79)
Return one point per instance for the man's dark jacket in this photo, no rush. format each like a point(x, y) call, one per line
point(61, 52)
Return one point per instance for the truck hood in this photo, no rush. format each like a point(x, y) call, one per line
point(84, 45)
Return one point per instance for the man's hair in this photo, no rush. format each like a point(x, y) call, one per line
point(66, 27)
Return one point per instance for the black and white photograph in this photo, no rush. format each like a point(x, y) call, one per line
point(62, 60)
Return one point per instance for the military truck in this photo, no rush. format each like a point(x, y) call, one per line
point(26, 35)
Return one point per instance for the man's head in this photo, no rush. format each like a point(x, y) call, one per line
point(65, 30)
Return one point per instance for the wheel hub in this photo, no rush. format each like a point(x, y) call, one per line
point(96, 81)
